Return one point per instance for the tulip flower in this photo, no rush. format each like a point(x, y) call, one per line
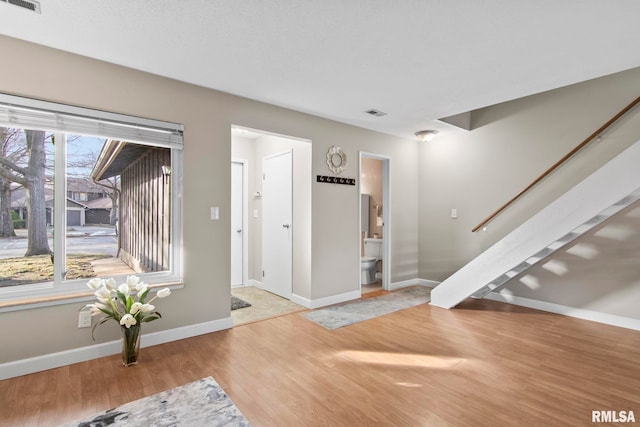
point(128, 320)
point(164, 293)
point(135, 307)
point(147, 308)
point(95, 283)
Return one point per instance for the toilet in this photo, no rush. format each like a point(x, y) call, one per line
point(369, 262)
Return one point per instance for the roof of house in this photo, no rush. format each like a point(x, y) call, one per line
point(115, 157)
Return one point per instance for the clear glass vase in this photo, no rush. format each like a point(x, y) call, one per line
point(130, 344)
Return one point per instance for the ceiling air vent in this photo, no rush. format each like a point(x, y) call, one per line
point(31, 5)
point(375, 112)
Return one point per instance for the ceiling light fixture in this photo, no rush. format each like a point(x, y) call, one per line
point(426, 135)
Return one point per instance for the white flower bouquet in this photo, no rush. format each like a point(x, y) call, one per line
point(126, 304)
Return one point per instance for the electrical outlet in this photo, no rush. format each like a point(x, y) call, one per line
point(84, 319)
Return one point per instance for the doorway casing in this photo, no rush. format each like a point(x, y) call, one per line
point(386, 209)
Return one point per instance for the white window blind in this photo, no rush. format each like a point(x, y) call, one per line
point(29, 113)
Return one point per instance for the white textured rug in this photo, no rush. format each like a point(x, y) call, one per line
point(200, 403)
point(337, 316)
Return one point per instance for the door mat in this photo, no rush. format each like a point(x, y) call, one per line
point(337, 316)
point(237, 303)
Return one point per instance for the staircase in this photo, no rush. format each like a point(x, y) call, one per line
point(604, 193)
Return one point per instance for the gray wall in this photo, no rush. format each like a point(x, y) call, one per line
point(510, 145)
point(207, 116)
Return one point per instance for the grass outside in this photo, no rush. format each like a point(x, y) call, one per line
point(35, 269)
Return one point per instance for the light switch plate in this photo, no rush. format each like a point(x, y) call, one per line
point(215, 213)
point(84, 319)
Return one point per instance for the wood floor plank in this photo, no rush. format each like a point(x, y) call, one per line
point(484, 363)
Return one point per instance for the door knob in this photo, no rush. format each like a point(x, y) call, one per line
point(239, 230)
point(286, 225)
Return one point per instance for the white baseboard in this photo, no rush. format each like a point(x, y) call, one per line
point(580, 313)
point(428, 283)
point(55, 360)
point(413, 282)
point(305, 302)
point(323, 302)
point(255, 283)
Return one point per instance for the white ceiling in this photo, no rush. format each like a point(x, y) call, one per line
point(417, 60)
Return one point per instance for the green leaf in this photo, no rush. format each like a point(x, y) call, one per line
point(108, 313)
point(144, 295)
point(149, 319)
point(103, 320)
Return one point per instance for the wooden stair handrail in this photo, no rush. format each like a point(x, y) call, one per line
point(557, 164)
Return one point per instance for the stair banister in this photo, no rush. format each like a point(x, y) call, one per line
point(557, 164)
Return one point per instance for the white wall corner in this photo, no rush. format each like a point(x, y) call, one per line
point(325, 301)
point(63, 358)
point(428, 283)
point(412, 282)
point(580, 313)
point(255, 283)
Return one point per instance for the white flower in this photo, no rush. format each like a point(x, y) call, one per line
point(132, 281)
point(95, 283)
point(142, 288)
point(95, 308)
point(128, 320)
point(103, 295)
point(135, 307)
point(111, 284)
point(164, 293)
point(124, 288)
point(147, 308)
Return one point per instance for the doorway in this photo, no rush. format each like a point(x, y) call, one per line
point(286, 283)
point(375, 222)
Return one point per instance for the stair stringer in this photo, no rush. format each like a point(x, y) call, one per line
point(602, 194)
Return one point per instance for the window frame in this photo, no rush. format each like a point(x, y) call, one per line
point(64, 117)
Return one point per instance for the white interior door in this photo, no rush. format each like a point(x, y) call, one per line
point(237, 224)
point(277, 231)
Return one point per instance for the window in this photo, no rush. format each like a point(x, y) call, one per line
point(84, 194)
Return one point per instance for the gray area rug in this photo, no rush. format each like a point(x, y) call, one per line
point(337, 316)
point(237, 303)
point(200, 403)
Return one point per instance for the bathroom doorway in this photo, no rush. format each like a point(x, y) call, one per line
point(375, 220)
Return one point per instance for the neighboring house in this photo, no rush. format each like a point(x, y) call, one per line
point(87, 203)
point(19, 203)
point(98, 211)
point(145, 211)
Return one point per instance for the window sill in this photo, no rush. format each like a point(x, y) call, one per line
point(24, 303)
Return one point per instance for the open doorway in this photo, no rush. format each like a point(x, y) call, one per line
point(274, 202)
point(375, 220)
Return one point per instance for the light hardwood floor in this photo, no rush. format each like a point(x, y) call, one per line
point(483, 364)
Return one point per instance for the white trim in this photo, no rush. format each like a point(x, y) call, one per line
point(322, 302)
point(245, 219)
point(60, 208)
point(580, 313)
point(255, 283)
point(403, 284)
point(413, 282)
point(63, 358)
point(428, 283)
point(305, 302)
